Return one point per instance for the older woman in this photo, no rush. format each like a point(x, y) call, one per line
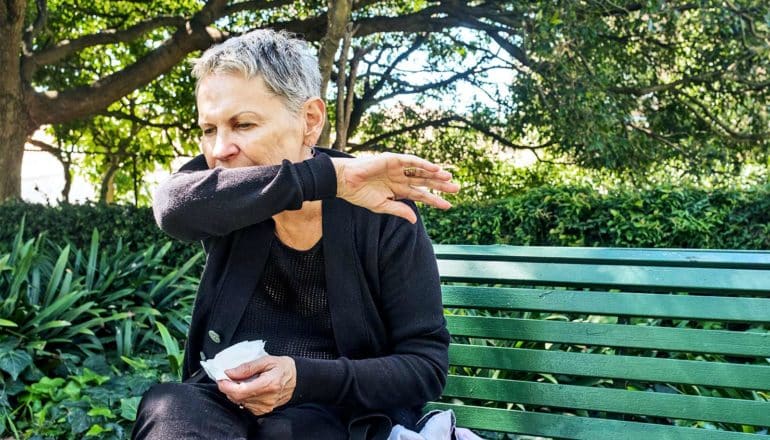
point(314, 252)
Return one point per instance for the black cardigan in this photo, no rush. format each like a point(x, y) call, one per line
point(382, 280)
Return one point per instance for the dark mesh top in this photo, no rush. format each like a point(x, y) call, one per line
point(289, 308)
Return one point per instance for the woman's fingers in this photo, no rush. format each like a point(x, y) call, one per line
point(438, 185)
point(411, 161)
point(426, 197)
point(376, 183)
point(399, 209)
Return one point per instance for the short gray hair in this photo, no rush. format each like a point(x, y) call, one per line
point(286, 64)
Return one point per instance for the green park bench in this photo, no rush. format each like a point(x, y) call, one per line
point(608, 343)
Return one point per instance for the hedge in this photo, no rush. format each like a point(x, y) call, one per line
point(75, 223)
point(664, 217)
point(667, 217)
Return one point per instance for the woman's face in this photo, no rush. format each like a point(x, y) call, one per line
point(244, 124)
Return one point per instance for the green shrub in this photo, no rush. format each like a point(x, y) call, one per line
point(73, 224)
point(61, 307)
point(665, 216)
point(94, 400)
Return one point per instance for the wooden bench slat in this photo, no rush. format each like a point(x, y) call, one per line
point(715, 308)
point(636, 336)
point(713, 409)
point(572, 427)
point(594, 255)
point(716, 374)
point(708, 280)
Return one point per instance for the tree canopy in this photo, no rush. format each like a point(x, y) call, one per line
point(624, 86)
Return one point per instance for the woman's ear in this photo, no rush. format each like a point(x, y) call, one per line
point(314, 114)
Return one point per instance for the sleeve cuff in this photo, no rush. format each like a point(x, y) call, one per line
point(318, 381)
point(318, 178)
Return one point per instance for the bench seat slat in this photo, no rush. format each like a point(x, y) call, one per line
point(636, 336)
point(716, 374)
point(571, 427)
point(715, 308)
point(748, 259)
point(714, 409)
point(705, 280)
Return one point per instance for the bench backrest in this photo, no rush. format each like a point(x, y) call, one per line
point(601, 343)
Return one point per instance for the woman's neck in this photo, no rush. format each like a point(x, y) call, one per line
point(300, 229)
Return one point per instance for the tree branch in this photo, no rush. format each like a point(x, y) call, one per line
point(373, 91)
point(430, 19)
point(143, 122)
point(412, 89)
point(66, 48)
point(515, 51)
point(712, 120)
point(53, 107)
point(34, 29)
point(374, 144)
point(45, 146)
point(254, 5)
point(658, 137)
point(341, 129)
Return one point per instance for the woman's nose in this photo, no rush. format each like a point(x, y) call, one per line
point(224, 147)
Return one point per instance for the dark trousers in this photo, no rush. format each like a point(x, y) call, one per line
point(200, 411)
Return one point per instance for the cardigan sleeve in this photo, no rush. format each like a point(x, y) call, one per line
point(415, 370)
point(198, 202)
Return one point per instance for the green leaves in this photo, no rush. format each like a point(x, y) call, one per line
point(175, 356)
point(128, 407)
point(59, 346)
point(13, 362)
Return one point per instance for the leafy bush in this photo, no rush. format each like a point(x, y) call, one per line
point(73, 224)
point(574, 215)
point(61, 307)
point(99, 403)
point(664, 217)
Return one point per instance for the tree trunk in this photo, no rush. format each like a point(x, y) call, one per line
point(15, 125)
point(337, 19)
point(107, 192)
point(65, 193)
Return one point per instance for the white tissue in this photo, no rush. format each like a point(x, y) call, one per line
point(232, 357)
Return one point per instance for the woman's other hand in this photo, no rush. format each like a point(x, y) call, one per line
point(262, 385)
point(378, 182)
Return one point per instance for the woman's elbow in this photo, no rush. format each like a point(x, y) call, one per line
point(173, 217)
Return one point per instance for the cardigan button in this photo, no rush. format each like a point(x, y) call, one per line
point(214, 336)
point(203, 355)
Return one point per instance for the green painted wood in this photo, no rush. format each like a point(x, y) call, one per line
point(628, 256)
point(637, 336)
point(713, 409)
point(710, 280)
point(715, 374)
point(713, 308)
point(572, 427)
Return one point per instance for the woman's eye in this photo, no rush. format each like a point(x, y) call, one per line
point(244, 125)
point(209, 131)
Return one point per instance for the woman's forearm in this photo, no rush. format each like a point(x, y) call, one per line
point(198, 202)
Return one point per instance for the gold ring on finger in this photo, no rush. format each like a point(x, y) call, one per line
point(410, 171)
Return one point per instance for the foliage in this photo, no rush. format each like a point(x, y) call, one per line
point(63, 308)
point(675, 217)
point(629, 85)
point(85, 403)
point(624, 86)
point(74, 224)
point(578, 213)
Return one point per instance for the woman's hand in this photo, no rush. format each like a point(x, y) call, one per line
point(377, 182)
point(262, 385)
